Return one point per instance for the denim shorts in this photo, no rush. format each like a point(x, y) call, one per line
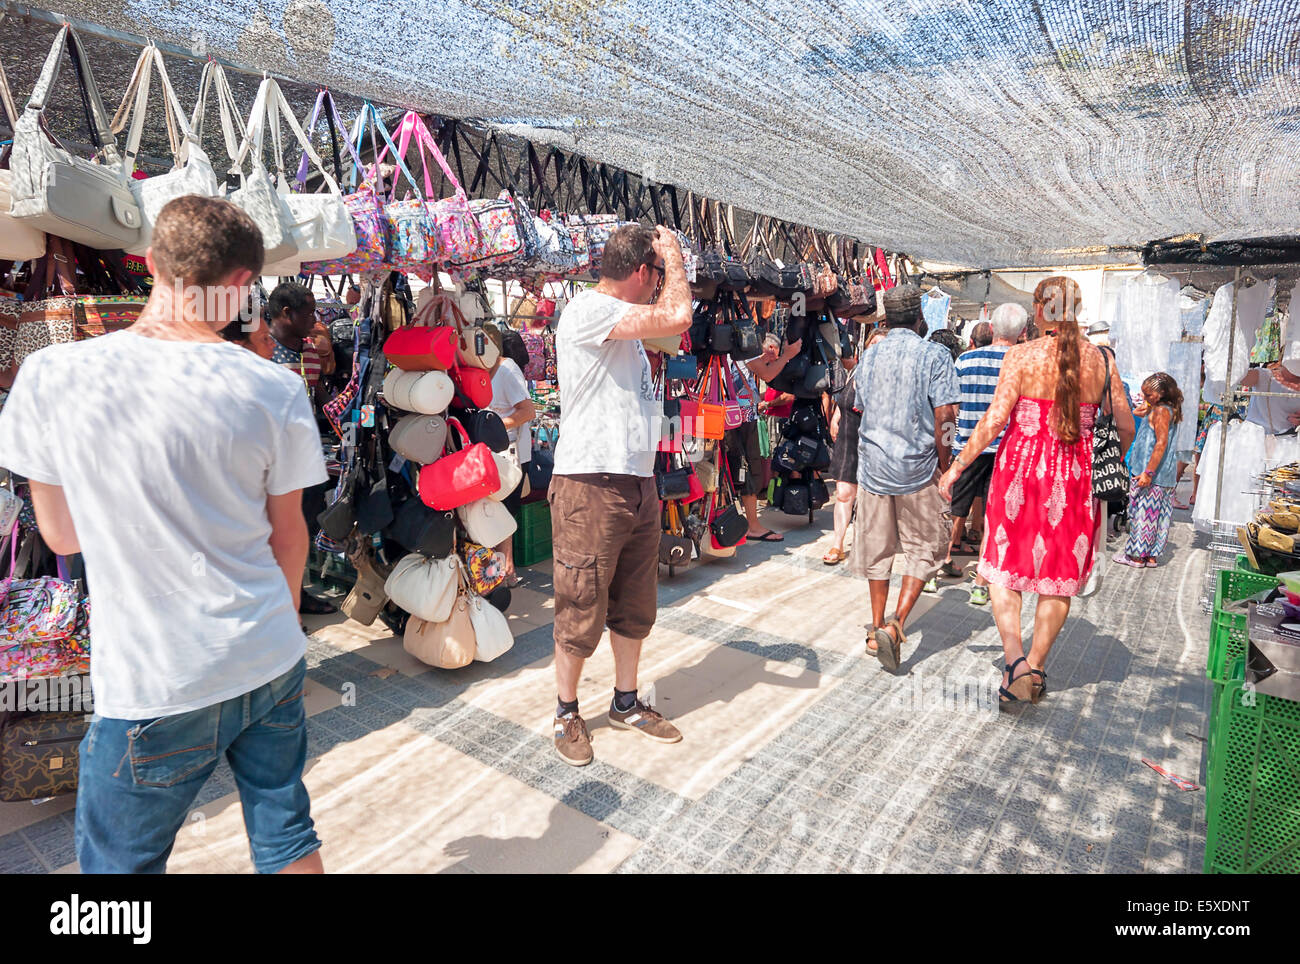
point(138, 779)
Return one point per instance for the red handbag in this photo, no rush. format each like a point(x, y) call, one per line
point(419, 349)
point(459, 478)
point(473, 386)
point(697, 490)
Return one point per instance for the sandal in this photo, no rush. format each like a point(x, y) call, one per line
point(889, 650)
point(1040, 687)
point(768, 536)
point(1124, 559)
point(950, 571)
point(834, 556)
point(962, 548)
point(1019, 689)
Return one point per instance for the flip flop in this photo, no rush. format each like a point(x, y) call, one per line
point(962, 548)
point(834, 556)
point(768, 536)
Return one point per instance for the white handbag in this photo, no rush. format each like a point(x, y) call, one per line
point(511, 474)
point(322, 227)
point(60, 193)
point(419, 438)
point(492, 635)
point(424, 587)
point(192, 172)
point(19, 241)
point(488, 523)
point(257, 195)
point(428, 393)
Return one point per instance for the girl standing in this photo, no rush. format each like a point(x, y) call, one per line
point(1151, 496)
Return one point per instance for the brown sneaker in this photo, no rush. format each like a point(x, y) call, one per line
point(647, 721)
point(572, 741)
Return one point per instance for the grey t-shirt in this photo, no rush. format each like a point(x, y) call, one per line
point(900, 381)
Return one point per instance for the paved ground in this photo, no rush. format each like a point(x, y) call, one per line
point(800, 753)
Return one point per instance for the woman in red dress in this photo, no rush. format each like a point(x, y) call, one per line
point(1041, 529)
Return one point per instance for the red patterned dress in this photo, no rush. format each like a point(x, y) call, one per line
point(1041, 519)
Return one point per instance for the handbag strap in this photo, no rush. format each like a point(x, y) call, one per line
point(7, 100)
point(179, 132)
point(325, 103)
point(214, 76)
point(101, 132)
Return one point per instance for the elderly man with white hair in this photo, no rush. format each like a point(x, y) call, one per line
point(978, 371)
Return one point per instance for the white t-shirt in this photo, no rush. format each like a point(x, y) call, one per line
point(509, 388)
point(166, 452)
point(609, 418)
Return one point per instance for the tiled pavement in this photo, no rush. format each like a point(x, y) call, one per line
point(799, 752)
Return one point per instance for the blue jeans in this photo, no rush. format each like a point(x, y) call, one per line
point(138, 779)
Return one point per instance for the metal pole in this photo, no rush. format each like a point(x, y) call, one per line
point(1229, 396)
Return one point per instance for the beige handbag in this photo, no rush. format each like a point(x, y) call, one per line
point(419, 438)
point(422, 586)
point(668, 344)
point(19, 241)
point(510, 473)
point(428, 393)
point(488, 523)
point(449, 644)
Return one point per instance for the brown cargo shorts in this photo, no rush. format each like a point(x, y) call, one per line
point(605, 543)
point(913, 525)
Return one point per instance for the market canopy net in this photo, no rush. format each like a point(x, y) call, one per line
point(977, 132)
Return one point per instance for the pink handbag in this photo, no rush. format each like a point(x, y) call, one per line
point(38, 618)
point(460, 240)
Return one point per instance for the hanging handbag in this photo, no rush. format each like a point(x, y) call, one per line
point(48, 314)
point(419, 438)
point(672, 482)
point(416, 348)
point(485, 568)
point(461, 477)
point(488, 523)
point(540, 468)
point(258, 195)
point(40, 754)
point(424, 587)
point(362, 202)
point(473, 387)
point(1110, 481)
point(704, 416)
point(320, 223)
point(459, 238)
point(192, 172)
point(19, 241)
point(35, 616)
point(484, 425)
point(727, 524)
point(795, 498)
point(674, 547)
point(448, 643)
point(414, 242)
point(511, 473)
point(492, 635)
point(818, 493)
point(681, 367)
point(367, 597)
point(54, 191)
point(417, 528)
point(428, 393)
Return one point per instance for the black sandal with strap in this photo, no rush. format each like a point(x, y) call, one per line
point(1040, 688)
point(1014, 692)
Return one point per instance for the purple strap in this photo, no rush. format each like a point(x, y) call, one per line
point(338, 122)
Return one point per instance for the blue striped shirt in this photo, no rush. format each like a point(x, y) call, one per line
point(978, 371)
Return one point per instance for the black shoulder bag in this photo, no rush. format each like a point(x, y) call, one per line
point(1109, 474)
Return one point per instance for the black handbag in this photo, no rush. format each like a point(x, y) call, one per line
point(817, 379)
point(375, 507)
point(540, 468)
point(417, 528)
point(341, 515)
point(790, 378)
point(796, 500)
point(674, 550)
point(39, 753)
point(499, 598)
point(821, 461)
point(721, 338)
point(729, 526)
point(818, 493)
point(807, 449)
point(1110, 481)
point(484, 425)
point(786, 456)
point(805, 421)
point(673, 484)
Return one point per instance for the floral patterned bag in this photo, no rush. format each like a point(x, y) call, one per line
point(459, 239)
point(363, 203)
point(486, 567)
point(37, 618)
point(414, 236)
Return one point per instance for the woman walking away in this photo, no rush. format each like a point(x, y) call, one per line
point(1151, 494)
point(1041, 521)
point(844, 423)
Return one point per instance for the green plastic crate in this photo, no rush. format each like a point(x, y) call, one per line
point(533, 537)
point(1228, 630)
point(1253, 792)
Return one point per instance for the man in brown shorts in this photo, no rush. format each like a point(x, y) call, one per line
point(604, 505)
point(908, 393)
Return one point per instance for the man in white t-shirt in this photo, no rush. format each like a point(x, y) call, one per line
point(604, 504)
point(174, 462)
